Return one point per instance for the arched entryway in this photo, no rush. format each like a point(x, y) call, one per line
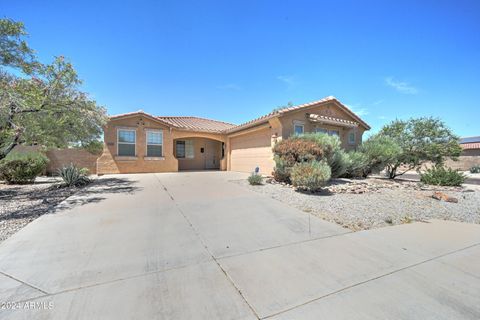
point(198, 153)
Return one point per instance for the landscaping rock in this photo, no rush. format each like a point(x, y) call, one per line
point(442, 196)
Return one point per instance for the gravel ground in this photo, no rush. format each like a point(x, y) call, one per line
point(373, 203)
point(21, 204)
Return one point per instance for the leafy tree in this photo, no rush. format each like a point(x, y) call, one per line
point(381, 152)
point(43, 105)
point(421, 140)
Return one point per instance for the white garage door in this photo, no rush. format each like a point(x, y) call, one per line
point(252, 150)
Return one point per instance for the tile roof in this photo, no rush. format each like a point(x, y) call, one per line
point(197, 124)
point(468, 146)
point(293, 108)
point(320, 118)
point(208, 125)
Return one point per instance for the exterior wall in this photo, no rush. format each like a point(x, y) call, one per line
point(79, 157)
point(329, 109)
point(468, 159)
point(198, 162)
point(110, 162)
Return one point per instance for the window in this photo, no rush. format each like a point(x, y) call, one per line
point(184, 149)
point(334, 133)
point(126, 142)
point(351, 138)
point(298, 129)
point(154, 143)
point(321, 130)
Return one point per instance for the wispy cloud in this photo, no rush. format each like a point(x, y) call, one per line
point(229, 86)
point(400, 86)
point(289, 80)
point(358, 110)
point(382, 117)
point(376, 103)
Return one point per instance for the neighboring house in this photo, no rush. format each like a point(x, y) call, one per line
point(470, 155)
point(138, 142)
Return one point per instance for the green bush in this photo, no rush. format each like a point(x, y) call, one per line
point(356, 165)
point(382, 152)
point(310, 175)
point(74, 176)
point(475, 169)
point(338, 163)
point(255, 179)
point(441, 176)
point(18, 168)
point(281, 172)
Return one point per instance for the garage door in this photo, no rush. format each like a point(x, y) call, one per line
point(252, 150)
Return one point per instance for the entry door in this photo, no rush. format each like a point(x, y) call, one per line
point(212, 160)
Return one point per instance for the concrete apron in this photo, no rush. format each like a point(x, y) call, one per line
point(195, 246)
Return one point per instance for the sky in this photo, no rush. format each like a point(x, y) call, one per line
point(237, 60)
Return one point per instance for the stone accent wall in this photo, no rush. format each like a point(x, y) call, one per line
point(79, 157)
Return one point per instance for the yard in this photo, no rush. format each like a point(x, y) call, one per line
point(375, 202)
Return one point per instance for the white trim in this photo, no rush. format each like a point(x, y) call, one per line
point(153, 158)
point(146, 143)
point(135, 143)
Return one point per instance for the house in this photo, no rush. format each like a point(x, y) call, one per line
point(470, 154)
point(139, 142)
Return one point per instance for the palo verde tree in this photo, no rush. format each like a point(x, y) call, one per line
point(421, 140)
point(41, 103)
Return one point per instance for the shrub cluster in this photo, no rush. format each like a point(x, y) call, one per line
point(311, 175)
point(302, 160)
point(255, 179)
point(74, 176)
point(20, 168)
point(441, 176)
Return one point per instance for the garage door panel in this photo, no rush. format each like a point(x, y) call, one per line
point(252, 150)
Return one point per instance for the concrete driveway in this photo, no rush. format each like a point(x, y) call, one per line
point(195, 246)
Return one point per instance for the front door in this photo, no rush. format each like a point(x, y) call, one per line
point(212, 158)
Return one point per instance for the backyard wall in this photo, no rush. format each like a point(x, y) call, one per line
point(79, 157)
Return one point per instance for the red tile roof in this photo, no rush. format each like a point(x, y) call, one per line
point(468, 146)
point(197, 124)
point(214, 126)
point(294, 108)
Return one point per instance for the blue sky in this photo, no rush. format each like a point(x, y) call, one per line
point(236, 60)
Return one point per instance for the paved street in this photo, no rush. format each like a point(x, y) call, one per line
point(193, 245)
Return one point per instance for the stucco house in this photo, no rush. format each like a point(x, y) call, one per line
point(139, 142)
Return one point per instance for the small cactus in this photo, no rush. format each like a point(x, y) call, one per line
point(74, 176)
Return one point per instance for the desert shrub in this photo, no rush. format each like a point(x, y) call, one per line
point(74, 176)
point(338, 163)
point(255, 179)
point(297, 149)
point(356, 165)
point(475, 169)
point(18, 168)
point(281, 172)
point(439, 175)
point(310, 175)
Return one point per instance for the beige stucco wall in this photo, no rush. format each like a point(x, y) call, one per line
point(109, 162)
point(329, 109)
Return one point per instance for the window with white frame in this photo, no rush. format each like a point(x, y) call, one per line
point(298, 128)
point(126, 139)
point(321, 130)
point(351, 138)
point(184, 149)
point(154, 143)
